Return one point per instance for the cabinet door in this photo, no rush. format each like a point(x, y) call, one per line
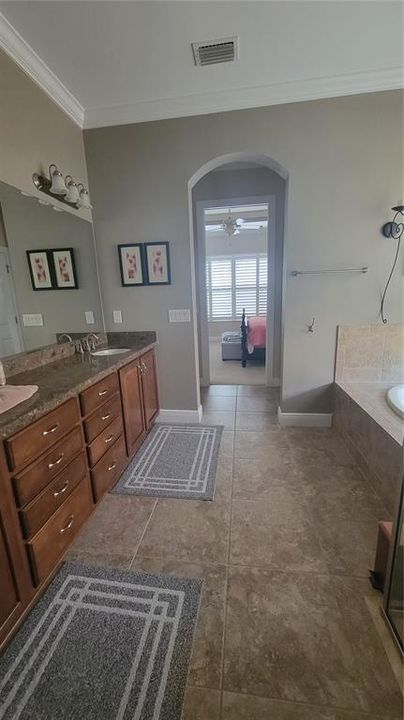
point(132, 405)
point(15, 583)
point(149, 384)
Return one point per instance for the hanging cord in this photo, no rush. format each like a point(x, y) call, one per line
point(396, 233)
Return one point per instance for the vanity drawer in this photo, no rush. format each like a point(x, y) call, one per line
point(105, 440)
point(27, 445)
point(49, 544)
point(97, 394)
point(30, 482)
point(107, 471)
point(102, 417)
point(53, 496)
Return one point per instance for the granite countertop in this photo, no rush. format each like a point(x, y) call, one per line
point(59, 380)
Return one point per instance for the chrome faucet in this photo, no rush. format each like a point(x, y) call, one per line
point(92, 339)
point(65, 335)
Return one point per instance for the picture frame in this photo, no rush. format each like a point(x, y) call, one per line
point(158, 263)
point(64, 268)
point(40, 270)
point(132, 264)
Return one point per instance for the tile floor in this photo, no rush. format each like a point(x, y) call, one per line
point(285, 629)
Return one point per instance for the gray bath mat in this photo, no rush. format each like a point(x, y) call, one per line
point(175, 461)
point(102, 644)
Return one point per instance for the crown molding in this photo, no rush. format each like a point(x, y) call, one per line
point(250, 97)
point(23, 55)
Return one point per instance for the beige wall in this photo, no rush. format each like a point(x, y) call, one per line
point(34, 133)
point(344, 159)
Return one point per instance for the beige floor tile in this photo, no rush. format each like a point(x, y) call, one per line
point(188, 530)
point(206, 661)
point(248, 403)
point(253, 479)
point(227, 443)
point(201, 704)
point(258, 391)
point(224, 390)
point(275, 533)
point(348, 546)
point(271, 447)
point(286, 639)
point(257, 421)
point(121, 562)
point(214, 403)
point(248, 707)
point(382, 689)
point(227, 419)
point(116, 527)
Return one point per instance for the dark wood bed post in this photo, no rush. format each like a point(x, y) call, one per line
point(244, 352)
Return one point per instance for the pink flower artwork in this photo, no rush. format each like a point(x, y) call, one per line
point(40, 271)
point(64, 269)
point(131, 264)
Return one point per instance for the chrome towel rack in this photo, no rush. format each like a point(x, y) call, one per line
point(294, 273)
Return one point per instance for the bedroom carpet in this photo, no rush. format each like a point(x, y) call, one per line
point(102, 644)
point(176, 461)
point(230, 372)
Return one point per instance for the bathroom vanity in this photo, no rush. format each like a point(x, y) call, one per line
point(60, 452)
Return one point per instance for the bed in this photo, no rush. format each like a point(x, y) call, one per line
point(253, 337)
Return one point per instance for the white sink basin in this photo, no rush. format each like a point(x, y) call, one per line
point(110, 351)
point(395, 398)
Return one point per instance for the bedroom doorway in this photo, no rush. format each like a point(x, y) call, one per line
point(237, 269)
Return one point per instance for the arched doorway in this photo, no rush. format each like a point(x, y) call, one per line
point(234, 162)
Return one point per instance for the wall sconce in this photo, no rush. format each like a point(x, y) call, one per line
point(393, 230)
point(65, 189)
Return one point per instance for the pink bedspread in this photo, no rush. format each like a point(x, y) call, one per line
point(257, 332)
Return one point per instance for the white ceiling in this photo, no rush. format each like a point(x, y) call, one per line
point(117, 62)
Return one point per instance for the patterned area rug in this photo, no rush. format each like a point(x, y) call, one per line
point(102, 645)
point(175, 461)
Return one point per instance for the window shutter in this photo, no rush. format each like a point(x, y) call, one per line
point(234, 283)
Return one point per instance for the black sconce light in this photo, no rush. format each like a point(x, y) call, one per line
point(393, 230)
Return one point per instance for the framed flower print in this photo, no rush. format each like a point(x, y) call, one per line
point(39, 264)
point(158, 263)
point(131, 264)
point(64, 269)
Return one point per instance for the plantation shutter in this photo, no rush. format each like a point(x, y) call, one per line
point(234, 283)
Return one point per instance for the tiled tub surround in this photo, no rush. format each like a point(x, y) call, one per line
point(370, 360)
point(374, 435)
point(60, 379)
point(370, 353)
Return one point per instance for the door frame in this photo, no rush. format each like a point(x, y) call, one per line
point(200, 275)
point(4, 251)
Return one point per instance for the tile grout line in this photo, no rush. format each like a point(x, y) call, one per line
point(143, 533)
point(227, 580)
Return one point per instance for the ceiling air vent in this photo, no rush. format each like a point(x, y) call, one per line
point(215, 51)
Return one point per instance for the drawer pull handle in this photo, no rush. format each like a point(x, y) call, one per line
point(62, 490)
point(144, 367)
point(68, 526)
point(57, 462)
point(51, 430)
point(109, 439)
point(106, 417)
point(102, 392)
point(113, 466)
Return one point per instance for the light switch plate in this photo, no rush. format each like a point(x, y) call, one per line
point(179, 316)
point(89, 317)
point(117, 316)
point(32, 319)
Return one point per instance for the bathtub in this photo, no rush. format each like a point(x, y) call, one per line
point(395, 399)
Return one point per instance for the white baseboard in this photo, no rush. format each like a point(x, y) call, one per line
point(191, 417)
point(289, 419)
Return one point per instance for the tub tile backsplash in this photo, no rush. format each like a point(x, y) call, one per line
point(370, 353)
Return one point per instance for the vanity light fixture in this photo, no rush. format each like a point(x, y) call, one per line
point(394, 230)
point(65, 189)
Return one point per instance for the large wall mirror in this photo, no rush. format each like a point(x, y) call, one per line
point(48, 274)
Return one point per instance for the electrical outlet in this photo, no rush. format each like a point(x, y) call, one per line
point(179, 316)
point(117, 316)
point(30, 320)
point(89, 315)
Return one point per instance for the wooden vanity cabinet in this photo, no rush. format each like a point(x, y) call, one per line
point(54, 471)
point(130, 378)
point(15, 584)
point(149, 387)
